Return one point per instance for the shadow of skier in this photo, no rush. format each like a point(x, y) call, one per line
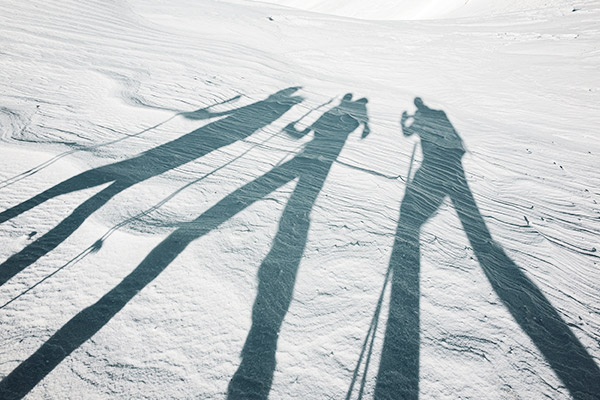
point(276, 275)
point(441, 174)
point(238, 125)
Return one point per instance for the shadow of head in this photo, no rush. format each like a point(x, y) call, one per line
point(419, 103)
point(421, 107)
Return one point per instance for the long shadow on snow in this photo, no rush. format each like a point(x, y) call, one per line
point(277, 273)
point(239, 124)
point(441, 174)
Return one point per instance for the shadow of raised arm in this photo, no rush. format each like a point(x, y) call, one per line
point(291, 130)
point(406, 130)
point(364, 119)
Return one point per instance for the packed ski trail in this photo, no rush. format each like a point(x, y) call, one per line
point(205, 199)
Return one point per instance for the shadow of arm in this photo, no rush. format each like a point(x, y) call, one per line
point(366, 129)
point(407, 130)
point(291, 130)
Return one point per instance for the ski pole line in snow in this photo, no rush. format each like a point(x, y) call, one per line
point(98, 243)
point(370, 338)
point(370, 171)
point(38, 168)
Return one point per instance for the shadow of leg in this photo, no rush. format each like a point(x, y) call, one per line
point(276, 277)
point(82, 181)
point(398, 376)
point(89, 321)
point(253, 378)
point(531, 309)
point(30, 254)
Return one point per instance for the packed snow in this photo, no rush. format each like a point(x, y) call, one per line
point(315, 199)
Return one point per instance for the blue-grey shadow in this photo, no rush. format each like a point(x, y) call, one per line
point(276, 275)
point(238, 125)
point(441, 174)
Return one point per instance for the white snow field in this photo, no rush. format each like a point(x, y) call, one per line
point(193, 206)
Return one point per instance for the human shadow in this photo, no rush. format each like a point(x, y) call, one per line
point(238, 125)
point(441, 174)
point(276, 275)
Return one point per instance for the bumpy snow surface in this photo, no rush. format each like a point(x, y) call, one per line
point(210, 199)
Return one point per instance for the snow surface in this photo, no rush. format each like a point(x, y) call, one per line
point(136, 276)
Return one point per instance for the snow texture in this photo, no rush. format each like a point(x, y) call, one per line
point(320, 199)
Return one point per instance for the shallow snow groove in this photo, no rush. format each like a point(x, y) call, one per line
point(506, 276)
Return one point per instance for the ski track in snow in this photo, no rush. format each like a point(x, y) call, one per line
point(88, 84)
